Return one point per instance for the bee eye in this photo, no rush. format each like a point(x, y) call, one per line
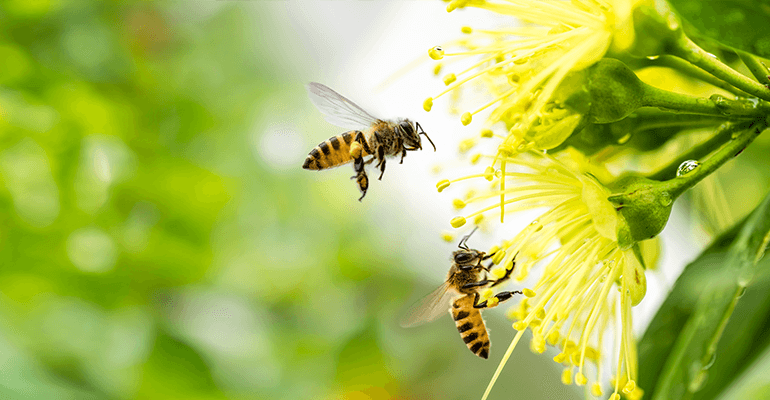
point(406, 127)
point(463, 258)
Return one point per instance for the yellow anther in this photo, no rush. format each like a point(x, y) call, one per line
point(592, 354)
point(475, 158)
point(519, 325)
point(427, 104)
point(566, 376)
point(448, 236)
point(442, 184)
point(449, 78)
point(529, 292)
point(355, 149)
point(494, 249)
point(458, 203)
point(498, 273)
point(467, 144)
point(580, 379)
point(553, 338)
point(537, 345)
point(437, 69)
point(535, 323)
point(486, 133)
point(466, 118)
point(477, 220)
point(559, 358)
point(629, 387)
point(570, 347)
point(436, 53)
point(575, 358)
point(498, 257)
point(596, 389)
point(457, 222)
point(540, 313)
point(614, 396)
point(466, 29)
point(489, 173)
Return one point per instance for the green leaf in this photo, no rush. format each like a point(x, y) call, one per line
point(741, 24)
point(682, 341)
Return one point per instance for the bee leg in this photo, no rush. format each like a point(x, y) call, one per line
point(382, 168)
point(403, 154)
point(485, 282)
point(494, 300)
point(360, 139)
point(361, 179)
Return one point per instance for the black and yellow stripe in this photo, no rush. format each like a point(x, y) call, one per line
point(471, 326)
point(331, 153)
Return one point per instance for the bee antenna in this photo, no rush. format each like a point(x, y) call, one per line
point(465, 238)
point(422, 132)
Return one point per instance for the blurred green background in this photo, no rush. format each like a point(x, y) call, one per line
point(157, 242)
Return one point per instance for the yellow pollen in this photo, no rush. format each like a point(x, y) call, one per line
point(559, 358)
point(486, 133)
point(540, 313)
point(457, 222)
point(494, 249)
point(449, 78)
point(553, 338)
point(447, 236)
point(566, 376)
point(529, 292)
point(355, 149)
point(492, 301)
point(437, 69)
point(427, 104)
point(630, 386)
point(580, 379)
point(466, 118)
point(459, 204)
point(441, 185)
point(487, 293)
point(520, 326)
point(498, 257)
point(475, 158)
point(466, 29)
point(596, 389)
point(498, 273)
point(477, 219)
point(489, 174)
point(467, 144)
point(436, 53)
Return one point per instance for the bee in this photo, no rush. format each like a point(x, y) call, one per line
point(378, 138)
point(466, 278)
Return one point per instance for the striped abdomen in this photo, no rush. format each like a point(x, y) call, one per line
point(471, 326)
point(332, 152)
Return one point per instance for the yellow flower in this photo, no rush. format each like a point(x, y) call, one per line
point(586, 282)
point(524, 65)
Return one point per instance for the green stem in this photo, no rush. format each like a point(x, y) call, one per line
point(722, 135)
point(689, 51)
point(692, 71)
point(716, 105)
point(757, 67)
point(678, 185)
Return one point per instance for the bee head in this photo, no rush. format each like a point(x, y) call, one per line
point(467, 258)
point(411, 134)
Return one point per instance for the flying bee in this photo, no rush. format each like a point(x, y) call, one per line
point(466, 278)
point(378, 138)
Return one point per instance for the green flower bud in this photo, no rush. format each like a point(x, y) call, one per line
point(645, 207)
point(615, 91)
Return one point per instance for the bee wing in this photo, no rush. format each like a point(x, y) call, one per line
point(337, 109)
point(430, 307)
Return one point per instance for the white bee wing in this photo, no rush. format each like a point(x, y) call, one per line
point(337, 109)
point(430, 307)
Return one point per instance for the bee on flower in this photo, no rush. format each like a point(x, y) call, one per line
point(586, 282)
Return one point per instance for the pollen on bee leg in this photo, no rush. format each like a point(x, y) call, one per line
point(355, 149)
